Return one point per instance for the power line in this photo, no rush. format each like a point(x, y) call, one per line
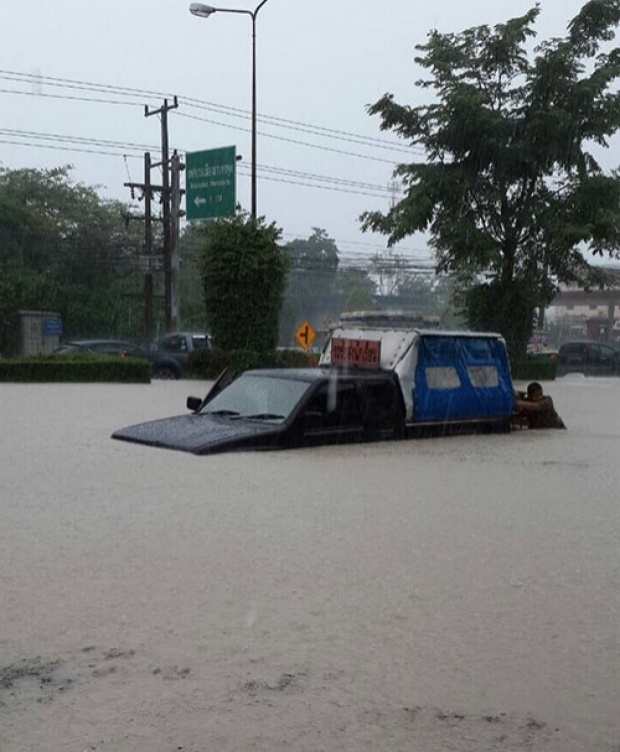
point(404, 263)
point(71, 98)
point(314, 176)
point(287, 140)
point(79, 149)
point(193, 102)
point(352, 262)
point(207, 120)
point(38, 79)
point(316, 185)
point(396, 251)
point(77, 139)
point(315, 130)
point(68, 83)
point(73, 148)
point(333, 183)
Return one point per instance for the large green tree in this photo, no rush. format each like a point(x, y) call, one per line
point(510, 190)
point(64, 248)
point(318, 252)
point(244, 275)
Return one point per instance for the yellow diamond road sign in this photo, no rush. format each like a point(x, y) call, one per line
point(305, 335)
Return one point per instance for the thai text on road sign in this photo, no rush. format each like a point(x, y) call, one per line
point(210, 183)
point(305, 335)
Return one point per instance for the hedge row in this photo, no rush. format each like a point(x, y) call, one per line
point(203, 364)
point(207, 364)
point(78, 368)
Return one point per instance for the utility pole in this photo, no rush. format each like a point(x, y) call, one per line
point(148, 253)
point(165, 198)
point(151, 258)
point(394, 189)
point(176, 166)
point(146, 257)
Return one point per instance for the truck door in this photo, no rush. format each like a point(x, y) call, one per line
point(333, 414)
point(384, 410)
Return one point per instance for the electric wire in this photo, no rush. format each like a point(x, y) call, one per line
point(366, 261)
point(346, 186)
point(221, 109)
point(82, 150)
point(71, 149)
point(314, 130)
point(287, 140)
point(211, 122)
point(320, 131)
point(361, 189)
point(39, 79)
point(78, 139)
point(71, 98)
point(360, 243)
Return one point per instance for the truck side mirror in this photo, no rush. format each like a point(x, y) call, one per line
point(194, 403)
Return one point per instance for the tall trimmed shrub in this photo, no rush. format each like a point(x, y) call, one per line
point(244, 278)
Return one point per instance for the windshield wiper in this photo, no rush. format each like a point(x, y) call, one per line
point(264, 416)
point(228, 413)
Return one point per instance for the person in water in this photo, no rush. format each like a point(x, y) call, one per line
point(537, 408)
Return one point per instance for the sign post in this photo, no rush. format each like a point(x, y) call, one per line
point(210, 183)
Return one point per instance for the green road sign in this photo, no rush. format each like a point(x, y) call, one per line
point(210, 183)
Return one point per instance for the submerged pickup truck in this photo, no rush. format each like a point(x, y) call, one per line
point(371, 384)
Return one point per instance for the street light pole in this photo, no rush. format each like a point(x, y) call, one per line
point(254, 14)
point(204, 11)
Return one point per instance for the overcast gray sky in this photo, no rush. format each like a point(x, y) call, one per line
point(320, 62)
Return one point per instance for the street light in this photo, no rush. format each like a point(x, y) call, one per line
point(204, 11)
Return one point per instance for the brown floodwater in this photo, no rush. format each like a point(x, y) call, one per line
point(439, 594)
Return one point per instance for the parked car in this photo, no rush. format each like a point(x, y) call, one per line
point(543, 356)
point(113, 347)
point(102, 347)
point(171, 356)
point(169, 360)
point(590, 358)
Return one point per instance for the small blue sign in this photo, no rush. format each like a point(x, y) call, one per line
point(52, 326)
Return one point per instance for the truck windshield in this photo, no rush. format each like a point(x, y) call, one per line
point(258, 395)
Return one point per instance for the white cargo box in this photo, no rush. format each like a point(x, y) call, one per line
point(392, 348)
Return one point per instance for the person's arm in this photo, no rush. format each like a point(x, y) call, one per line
point(530, 407)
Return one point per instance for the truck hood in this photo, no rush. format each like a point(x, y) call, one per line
point(202, 433)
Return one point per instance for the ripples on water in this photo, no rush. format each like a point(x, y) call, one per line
point(456, 593)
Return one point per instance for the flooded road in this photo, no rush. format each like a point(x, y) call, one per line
point(441, 594)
